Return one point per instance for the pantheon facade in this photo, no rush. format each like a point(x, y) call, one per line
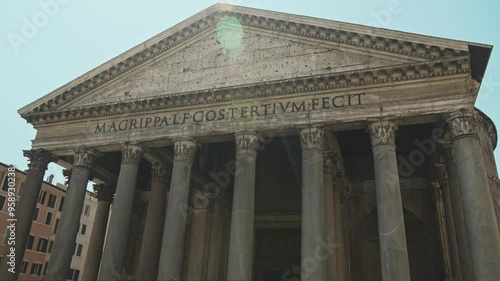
point(244, 144)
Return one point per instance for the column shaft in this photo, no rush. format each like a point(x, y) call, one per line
point(217, 252)
point(340, 255)
point(96, 242)
point(313, 252)
point(64, 243)
point(113, 258)
point(441, 218)
point(199, 238)
point(391, 227)
point(39, 159)
point(450, 222)
point(241, 235)
point(155, 217)
point(330, 223)
point(479, 214)
point(174, 231)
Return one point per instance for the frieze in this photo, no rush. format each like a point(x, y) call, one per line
point(205, 115)
point(347, 80)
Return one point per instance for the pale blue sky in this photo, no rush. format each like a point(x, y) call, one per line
point(80, 35)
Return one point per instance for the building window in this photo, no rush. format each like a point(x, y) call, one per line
point(20, 189)
point(36, 269)
point(2, 201)
point(86, 210)
point(24, 267)
point(79, 249)
point(61, 204)
point(31, 241)
point(41, 197)
point(37, 213)
point(45, 268)
point(48, 219)
point(52, 201)
point(56, 225)
point(42, 245)
point(73, 274)
point(84, 229)
point(5, 185)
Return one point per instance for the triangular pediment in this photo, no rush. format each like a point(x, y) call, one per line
point(226, 46)
point(253, 58)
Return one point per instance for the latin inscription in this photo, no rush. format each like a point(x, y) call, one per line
point(251, 111)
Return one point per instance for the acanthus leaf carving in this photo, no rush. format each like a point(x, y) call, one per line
point(383, 132)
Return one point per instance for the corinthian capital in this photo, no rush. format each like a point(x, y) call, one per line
point(85, 157)
point(132, 153)
point(184, 149)
point(447, 151)
point(104, 192)
point(38, 159)
point(201, 200)
point(247, 143)
point(159, 172)
point(462, 122)
point(312, 137)
point(383, 132)
point(328, 163)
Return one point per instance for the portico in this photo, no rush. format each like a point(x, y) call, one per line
point(305, 150)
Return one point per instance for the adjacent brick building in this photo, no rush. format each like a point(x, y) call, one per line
point(44, 227)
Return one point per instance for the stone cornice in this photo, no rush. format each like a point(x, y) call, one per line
point(179, 35)
point(332, 81)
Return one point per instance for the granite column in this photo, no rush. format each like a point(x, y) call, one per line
point(391, 226)
point(39, 160)
point(94, 253)
point(241, 235)
point(155, 217)
point(64, 243)
point(479, 214)
point(314, 253)
point(113, 258)
point(174, 230)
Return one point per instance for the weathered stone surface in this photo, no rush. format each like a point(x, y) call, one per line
point(205, 65)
